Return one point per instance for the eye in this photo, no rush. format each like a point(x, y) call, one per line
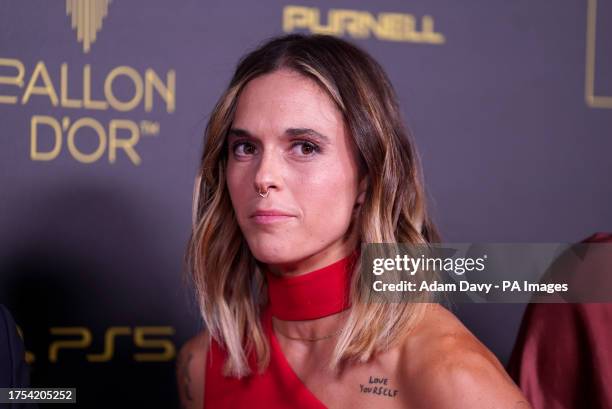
point(247, 148)
point(307, 148)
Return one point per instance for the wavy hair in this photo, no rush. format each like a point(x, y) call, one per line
point(229, 283)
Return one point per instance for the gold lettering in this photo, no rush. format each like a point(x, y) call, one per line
point(57, 132)
point(428, 31)
point(362, 24)
point(409, 30)
point(90, 103)
point(76, 153)
point(46, 89)
point(397, 27)
point(82, 343)
point(109, 344)
point(295, 17)
point(126, 144)
point(108, 88)
point(371, 24)
point(350, 20)
point(166, 91)
point(332, 27)
point(66, 102)
point(140, 341)
point(17, 80)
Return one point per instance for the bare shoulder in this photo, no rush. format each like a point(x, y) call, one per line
point(190, 371)
point(446, 366)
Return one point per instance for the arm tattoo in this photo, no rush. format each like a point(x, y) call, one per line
point(378, 386)
point(185, 377)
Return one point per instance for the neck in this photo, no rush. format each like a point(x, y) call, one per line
point(318, 329)
point(312, 304)
point(312, 262)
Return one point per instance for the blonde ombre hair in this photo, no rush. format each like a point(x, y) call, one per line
point(228, 280)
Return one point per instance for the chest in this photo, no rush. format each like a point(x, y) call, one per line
point(375, 384)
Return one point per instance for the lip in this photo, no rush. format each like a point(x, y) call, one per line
point(268, 216)
point(271, 219)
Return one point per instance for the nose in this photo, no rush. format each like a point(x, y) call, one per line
point(268, 171)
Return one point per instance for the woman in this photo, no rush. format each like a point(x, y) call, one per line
point(306, 158)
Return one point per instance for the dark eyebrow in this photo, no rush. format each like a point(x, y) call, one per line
point(238, 132)
point(307, 132)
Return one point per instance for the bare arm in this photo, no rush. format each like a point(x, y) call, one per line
point(190, 371)
point(469, 379)
point(450, 368)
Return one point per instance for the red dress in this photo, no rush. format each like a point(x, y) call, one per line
point(277, 387)
point(309, 296)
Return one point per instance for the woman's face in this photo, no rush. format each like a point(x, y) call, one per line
point(288, 137)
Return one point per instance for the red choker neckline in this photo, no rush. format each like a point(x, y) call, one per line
point(313, 295)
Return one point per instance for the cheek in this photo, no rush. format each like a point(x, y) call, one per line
point(236, 186)
point(327, 202)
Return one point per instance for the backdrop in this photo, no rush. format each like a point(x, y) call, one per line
point(102, 110)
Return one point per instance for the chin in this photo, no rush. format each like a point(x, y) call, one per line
point(268, 251)
point(273, 251)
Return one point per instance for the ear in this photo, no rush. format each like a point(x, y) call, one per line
point(363, 188)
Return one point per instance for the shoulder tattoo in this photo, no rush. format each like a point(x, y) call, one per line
point(378, 386)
